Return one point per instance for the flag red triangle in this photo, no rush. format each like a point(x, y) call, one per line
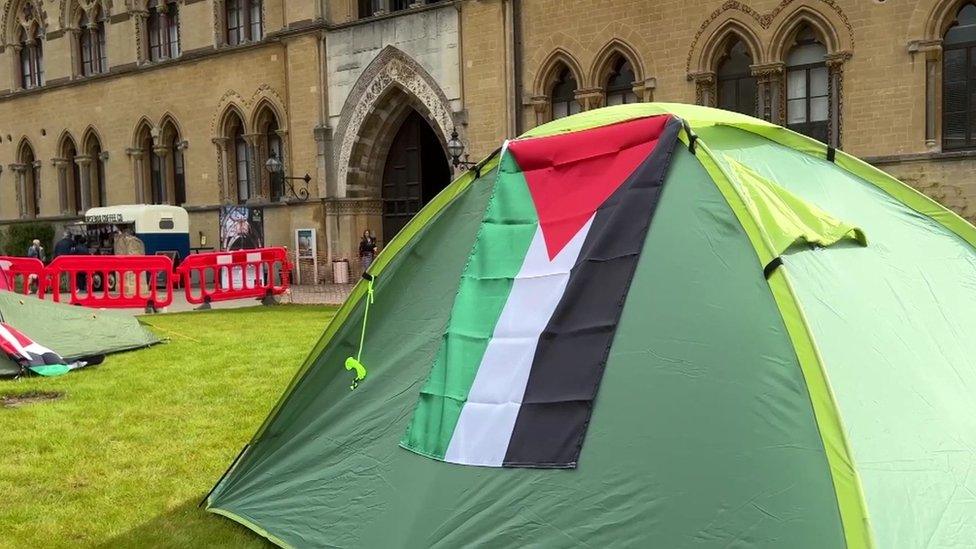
point(571, 175)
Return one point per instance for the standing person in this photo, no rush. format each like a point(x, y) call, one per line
point(37, 251)
point(367, 249)
point(81, 248)
point(63, 246)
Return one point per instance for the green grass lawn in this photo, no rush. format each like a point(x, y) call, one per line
point(123, 459)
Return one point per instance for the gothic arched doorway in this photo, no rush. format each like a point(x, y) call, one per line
point(416, 170)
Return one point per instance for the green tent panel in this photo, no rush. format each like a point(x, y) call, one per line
point(72, 332)
point(646, 325)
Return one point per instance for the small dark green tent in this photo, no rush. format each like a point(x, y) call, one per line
point(650, 325)
point(72, 332)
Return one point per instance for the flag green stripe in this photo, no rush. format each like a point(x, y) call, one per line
point(507, 229)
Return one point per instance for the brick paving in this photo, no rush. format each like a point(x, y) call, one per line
point(320, 294)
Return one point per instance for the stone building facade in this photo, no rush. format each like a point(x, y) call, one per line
point(108, 102)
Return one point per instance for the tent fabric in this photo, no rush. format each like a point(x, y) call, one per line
point(498, 393)
point(828, 405)
point(72, 332)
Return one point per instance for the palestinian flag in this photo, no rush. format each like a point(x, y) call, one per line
point(31, 355)
point(514, 380)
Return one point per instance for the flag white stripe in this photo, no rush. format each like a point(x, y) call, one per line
point(487, 418)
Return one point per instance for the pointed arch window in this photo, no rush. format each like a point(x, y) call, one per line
point(91, 42)
point(31, 57)
point(620, 83)
point(93, 148)
point(242, 162)
point(807, 88)
point(163, 27)
point(244, 21)
point(30, 182)
point(179, 168)
point(736, 84)
point(562, 97)
point(959, 81)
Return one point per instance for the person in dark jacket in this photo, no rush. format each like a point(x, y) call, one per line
point(63, 246)
point(80, 247)
point(367, 249)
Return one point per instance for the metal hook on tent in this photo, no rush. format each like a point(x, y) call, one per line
point(355, 363)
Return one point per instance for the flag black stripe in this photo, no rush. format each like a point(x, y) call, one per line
point(573, 349)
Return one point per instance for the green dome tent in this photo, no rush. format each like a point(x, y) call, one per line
point(650, 325)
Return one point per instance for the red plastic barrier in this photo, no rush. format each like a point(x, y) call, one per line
point(241, 274)
point(113, 281)
point(22, 275)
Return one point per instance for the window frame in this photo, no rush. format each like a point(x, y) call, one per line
point(808, 124)
point(564, 75)
point(969, 141)
point(163, 28)
point(625, 91)
point(248, 21)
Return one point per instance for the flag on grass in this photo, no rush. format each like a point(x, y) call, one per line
point(31, 355)
point(514, 380)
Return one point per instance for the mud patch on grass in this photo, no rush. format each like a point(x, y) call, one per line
point(33, 397)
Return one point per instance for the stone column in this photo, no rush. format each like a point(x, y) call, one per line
point(704, 88)
point(644, 89)
point(769, 83)
point(36, 180)
point(20, 172)
point(285, 159)
point(84, 170)
point(540, 104)
point(138, 173)
point(591, 98)
point(835, 84)
point(99, 191)
point(61, 165)
point(142, 35)
point(18, 80)
point(74, 50)
point(163, 153)
point(255, 144)
point(325, 176)
point(223, 173)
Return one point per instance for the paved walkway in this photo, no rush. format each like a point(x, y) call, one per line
point(324, 294)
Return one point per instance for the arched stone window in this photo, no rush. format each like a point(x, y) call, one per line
point(93, 171)
point(163, 28)
point(737, 86)
point(619, 86)
point(159, 165)
point(69, 177)
point(959, 81)
point(244, 21)
point(807, 86)
point(562, 95)
point(235, 157)
point(91, 41)
point(31, 54)
point(28, 174)
point(268, 141)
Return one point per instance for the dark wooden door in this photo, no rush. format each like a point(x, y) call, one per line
point(416, 170)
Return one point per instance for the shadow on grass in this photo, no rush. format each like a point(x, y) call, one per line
point(186, 525)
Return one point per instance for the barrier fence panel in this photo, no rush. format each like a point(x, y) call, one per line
point(113, 281)
point(23, 275)
point(223, 276)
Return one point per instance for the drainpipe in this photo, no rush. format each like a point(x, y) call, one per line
point(517, 63)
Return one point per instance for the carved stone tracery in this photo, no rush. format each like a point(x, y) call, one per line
point(390, 70)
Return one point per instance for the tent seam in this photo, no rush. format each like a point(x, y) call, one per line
point(846, 507)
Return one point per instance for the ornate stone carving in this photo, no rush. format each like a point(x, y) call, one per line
point(763, 19)
point(355, 206)
point(391, 68)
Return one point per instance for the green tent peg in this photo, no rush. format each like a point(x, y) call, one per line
point(354, 363)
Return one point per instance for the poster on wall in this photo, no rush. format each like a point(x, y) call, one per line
point(305, 253)
point(241, 228)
